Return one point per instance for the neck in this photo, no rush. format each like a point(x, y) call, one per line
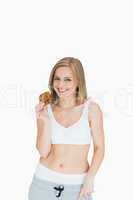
point(67, 102)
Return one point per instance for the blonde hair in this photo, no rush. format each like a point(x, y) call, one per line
point(77, 69)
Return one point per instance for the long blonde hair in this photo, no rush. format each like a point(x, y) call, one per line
point(77, 69)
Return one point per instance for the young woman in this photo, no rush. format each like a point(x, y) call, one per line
point(65, 127)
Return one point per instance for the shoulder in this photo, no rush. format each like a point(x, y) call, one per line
point(94, 108)
point(95, 112)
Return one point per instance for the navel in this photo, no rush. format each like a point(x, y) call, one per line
point(60, 165)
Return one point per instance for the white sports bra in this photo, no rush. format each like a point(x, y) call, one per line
point(77, 133)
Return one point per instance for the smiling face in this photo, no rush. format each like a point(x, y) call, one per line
point(64, 82)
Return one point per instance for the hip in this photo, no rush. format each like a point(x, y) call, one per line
point(41, 189)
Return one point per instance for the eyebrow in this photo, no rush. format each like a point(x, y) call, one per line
point(64, 77)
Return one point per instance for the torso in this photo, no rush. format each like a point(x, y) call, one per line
point(67, 158)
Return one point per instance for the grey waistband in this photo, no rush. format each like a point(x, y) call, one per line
point(49, 185)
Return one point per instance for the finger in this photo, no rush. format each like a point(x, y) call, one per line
point(89, 197)
point(86, 196)
point(38, 108)
point(79, 198)
point(41, 103)
point(80, 195)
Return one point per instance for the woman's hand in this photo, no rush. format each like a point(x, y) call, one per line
point(41, 111)
point(87, 188)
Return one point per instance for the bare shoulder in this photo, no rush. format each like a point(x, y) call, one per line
point(95, 110)
point(95, 107)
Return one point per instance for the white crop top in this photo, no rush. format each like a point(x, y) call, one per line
point(77, 133)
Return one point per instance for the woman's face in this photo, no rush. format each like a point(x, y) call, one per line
point(64, 82)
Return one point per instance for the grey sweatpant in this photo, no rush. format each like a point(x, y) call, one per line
point(41, 189)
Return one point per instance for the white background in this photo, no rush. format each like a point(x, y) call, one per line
point(34, 35)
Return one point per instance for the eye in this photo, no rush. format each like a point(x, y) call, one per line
point(68, 79)
point(56, 78)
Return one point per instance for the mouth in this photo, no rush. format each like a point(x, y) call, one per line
point(62, 91)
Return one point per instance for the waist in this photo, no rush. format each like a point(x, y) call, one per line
point(65, 165)
point(46, 173)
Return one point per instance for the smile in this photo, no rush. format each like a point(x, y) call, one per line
point(62, 91)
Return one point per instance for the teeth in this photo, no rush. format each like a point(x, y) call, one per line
point(61, 90)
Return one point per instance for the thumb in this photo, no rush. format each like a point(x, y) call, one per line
point(80, 195)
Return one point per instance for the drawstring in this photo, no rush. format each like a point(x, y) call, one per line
point(59, 189)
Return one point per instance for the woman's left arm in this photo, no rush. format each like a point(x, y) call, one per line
point(96, 119)
point(96, 116)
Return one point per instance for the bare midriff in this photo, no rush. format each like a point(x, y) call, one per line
point(67, 158)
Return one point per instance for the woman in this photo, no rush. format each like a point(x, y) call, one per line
point(65, 126)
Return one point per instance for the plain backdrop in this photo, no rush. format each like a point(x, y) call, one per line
point(34, 35)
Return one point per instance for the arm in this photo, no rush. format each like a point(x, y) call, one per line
point(96, 119)
point(96, 116)
point(43, 141)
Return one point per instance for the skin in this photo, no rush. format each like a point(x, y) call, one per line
point(72, 158)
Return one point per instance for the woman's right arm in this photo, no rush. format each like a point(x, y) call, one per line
point(43, 141)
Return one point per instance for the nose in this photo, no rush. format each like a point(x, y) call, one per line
point(60, 85)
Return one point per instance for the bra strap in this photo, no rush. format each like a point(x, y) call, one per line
point(87, 106)
point(85, 110)
point(49, 110)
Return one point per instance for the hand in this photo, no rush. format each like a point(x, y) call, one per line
point(39, 106)
point(41, 111)
point(87, 188)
